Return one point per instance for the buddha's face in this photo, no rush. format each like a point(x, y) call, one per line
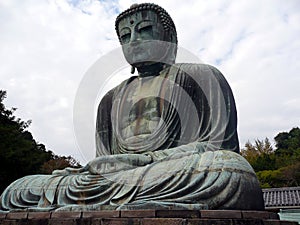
point(141, 37)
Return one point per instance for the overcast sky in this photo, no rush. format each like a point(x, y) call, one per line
point(47, 46)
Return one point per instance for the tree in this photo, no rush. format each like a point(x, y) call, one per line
point(291, 174)
point(260, 155)
point(20, 154)
point(58, 163)
point(288, 143)
point(279, 167)
point(269, 178)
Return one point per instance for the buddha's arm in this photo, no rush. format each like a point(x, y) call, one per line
point(212, 95)
point(180, 151)
point(109, 164)
point(114, 163)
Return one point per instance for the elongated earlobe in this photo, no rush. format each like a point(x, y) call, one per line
point(132, 69)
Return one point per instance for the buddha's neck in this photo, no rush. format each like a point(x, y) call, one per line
point(150, 70)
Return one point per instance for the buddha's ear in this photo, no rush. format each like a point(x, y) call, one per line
point(173, 37)
point(132, 69)
point(167, 36)
point(170, 36)
point(173, 47)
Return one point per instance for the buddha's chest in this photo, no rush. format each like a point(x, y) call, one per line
point(143, 117)
point(141, 108)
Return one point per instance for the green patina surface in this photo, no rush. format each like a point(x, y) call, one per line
point(165, 139)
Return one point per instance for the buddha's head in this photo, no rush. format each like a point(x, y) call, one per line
point(148, 36)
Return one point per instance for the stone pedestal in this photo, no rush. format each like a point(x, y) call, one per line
point(145, 217)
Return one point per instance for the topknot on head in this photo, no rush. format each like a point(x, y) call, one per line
point(134, 5)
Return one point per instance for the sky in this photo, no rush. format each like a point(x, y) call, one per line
point(48, 46)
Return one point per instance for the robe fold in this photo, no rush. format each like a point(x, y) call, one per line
point(165, 141)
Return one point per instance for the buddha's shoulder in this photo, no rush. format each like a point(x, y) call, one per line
point(199, 72)
point(196, 68)
point(115, 91)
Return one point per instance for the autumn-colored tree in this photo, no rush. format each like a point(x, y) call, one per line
point(260, 155)
point(277, 167)
point(58, 163)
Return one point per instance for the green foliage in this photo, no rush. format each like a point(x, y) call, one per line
point(269, 178)
point(291, 174)
point(279, 167)
point(288, 142)
point(20, 154)
point(260, 155)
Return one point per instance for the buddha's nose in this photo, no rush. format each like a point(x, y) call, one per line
point(135, 37)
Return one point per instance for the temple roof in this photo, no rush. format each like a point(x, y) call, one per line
point(285, 197)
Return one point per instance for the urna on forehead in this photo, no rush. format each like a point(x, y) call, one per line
point(137, 17)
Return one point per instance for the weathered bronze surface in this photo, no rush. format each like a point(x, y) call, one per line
point(166, 138)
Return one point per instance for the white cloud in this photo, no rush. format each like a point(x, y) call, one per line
point(47, 46)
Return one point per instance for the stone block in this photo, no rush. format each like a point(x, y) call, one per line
point(271, 222)
point(63, 221)
point(144, 217)
point(3, 215)
point(288, 223)
point(247, 222)
point(38, 222)
point(96, 221)
point(256, 214)
point(208, 222)
point(101, 214)
point(88, 221)
point(274, 216)
point(17, 215)
point(120, 221)
point(177, 213)
point(216, 214)
point(138, 213)
point(162, 221)
point(63, 215)
point(39, 215)
point(14, 222)
point(224, 222)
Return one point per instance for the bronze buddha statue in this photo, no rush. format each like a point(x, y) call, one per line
point(166, 138)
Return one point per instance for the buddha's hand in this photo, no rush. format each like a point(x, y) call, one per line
point(68, 171)
point(114, 163)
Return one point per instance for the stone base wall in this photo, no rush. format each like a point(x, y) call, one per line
point(144, 217)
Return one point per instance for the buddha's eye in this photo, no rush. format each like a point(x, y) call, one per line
point(145, 29)
point(125, 38)
point(146, 32)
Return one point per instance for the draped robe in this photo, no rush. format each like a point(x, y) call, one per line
point(165, 141)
